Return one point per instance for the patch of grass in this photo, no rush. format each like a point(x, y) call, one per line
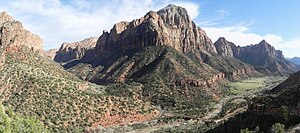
point(253, 85)
point(247, 85)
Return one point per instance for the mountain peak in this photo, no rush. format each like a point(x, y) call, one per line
point(4, 17)
point(173, 14)
point(222, 39)
point(263, 42)
point(173, 8)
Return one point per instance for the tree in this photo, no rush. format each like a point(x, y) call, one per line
point(284, 112)
point(246, 131)
point(277, 128)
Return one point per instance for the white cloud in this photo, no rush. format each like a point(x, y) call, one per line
point(58, 21)
point(240, 35)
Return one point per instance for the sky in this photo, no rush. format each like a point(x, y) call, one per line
point(242, 22)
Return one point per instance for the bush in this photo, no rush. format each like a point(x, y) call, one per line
point(277, 128)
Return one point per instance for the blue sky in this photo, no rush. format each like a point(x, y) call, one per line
point(243, 22)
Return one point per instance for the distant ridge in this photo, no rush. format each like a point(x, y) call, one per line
point(295, 60)
point(264, 57)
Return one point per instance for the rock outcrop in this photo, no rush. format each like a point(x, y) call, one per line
point(170, 26)
point(75, 50)
point(264, 57)
point(12, 33)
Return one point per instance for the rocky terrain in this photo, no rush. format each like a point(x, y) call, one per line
point(73, 51)
point(264, 57)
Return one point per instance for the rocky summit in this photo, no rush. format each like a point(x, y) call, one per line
point(170, 26)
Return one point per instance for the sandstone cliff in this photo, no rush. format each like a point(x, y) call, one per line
point(170, 26)
point(12, 33)
point(75, 50)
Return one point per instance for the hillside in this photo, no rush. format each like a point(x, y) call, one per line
point(11, 122)
point(34, 86)
point(277, 105)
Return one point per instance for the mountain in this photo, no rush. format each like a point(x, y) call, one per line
point(295, 60)
point(170, 26)
point(165, 51)
point(264, 57)
point(74, 51)
point(35, 87)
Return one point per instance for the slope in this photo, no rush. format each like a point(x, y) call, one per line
point(34, 86)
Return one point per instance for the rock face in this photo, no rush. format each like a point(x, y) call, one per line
point(225, 48)
point(75, 50)
point(170, 26)
point(13, 34)
point(264, 57)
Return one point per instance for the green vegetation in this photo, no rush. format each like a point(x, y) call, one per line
point(277, 128)
point(253, 85)
point(169, 78)
point(13, 123)
point(246, 131)
point(284, 112)
point(232, 105)
point(245, 86)
point(34, 86)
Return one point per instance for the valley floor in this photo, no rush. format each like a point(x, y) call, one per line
point(235, 102)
